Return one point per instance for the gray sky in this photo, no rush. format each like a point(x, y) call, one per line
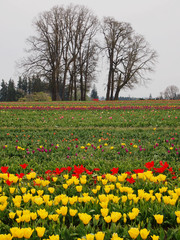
point(157, 20)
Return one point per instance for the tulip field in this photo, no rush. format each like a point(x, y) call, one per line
point(99, 170)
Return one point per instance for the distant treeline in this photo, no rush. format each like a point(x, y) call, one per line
point(9, 91)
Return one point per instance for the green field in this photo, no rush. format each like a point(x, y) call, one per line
point(111, 141)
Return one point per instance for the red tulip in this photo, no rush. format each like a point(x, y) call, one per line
point(4, 169)
point(24, 165)
point(149, 165)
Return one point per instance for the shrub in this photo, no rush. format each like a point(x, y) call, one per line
point(36, 97)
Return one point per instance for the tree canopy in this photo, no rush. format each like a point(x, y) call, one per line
point(65, 51)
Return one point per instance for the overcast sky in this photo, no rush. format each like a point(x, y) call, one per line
point(157, 20)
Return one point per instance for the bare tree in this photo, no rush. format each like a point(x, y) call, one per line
point(82, 49)
point(65, 52)
point(129, 56)
point(171, 92)
point(46, 49)
point(61, 34)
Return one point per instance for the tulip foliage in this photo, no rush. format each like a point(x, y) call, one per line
point(96, 180)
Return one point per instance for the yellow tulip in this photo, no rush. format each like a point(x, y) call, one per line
point(133, 232)
point(12, 215)
point(27, 197)
point(104, 204)
point(124, 199)
point(49, 203)
point(83, 180)
point(42, 213)
point(104, 211)
point(124, 219)
point(40, 192)
point(85, 218)
point(58, 211)
point(66, 176)
point(144, 233)
point(33, 215)
point(90, 236)
point(23, 189)
point(98, 187)
point(65, 185)
point(14, 231)
point(11, 189)
point(51, 189)
point(107, 219)
point(46, 198)
point(159, 218)
point(97, 216)
point(18, 220)
point(63, 210)
point(26, 211)
point(94, 190)
point(54, 237)
point(26, 218)
point(99, 236)
point(6, 236)
point(19, 212)
point(65, 200)
point(54, 179)
point(40, 231)
point(132, 215)
point(38, 200)
point(73, 200)
point(115, 216)
point(33, 190)
point(154, 237)
point(107, 189)
point(79, 188)
point(17, 232)
point(3, 206)
point(28, 232)
point(53, 217)
point(72, 212)
point(116, 237)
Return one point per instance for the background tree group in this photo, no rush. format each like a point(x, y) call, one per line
point(65, 50)
point(171, 92)
point(25, 86)
point(129, 57)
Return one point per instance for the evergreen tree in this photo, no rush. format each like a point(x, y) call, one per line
point(19, 84)
point(37, 85)
point(25, 85)
point(94, 94)
point(29, 86)
point(11, 91)
point(3, 91)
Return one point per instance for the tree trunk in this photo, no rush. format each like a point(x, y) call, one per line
point(53, 87)
point(108, 85)
point(81, 87)
point(110, 78)
point(71, 86)
point(75, 90)
point(118, 88)
point(85, 88)
point(112, 84)
point(117, 93)
point(64, 84)
point(74, 81)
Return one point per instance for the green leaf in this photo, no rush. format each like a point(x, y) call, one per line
point(162, 234)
